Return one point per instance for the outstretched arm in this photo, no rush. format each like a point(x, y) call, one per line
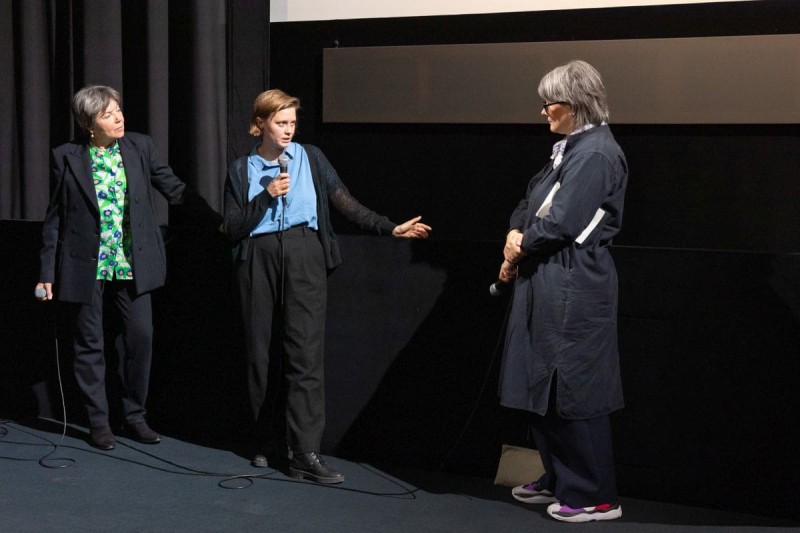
point(412, 229)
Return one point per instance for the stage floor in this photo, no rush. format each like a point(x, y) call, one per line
point(182, 486)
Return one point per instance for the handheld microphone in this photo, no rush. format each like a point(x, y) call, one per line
point(498, 287)
point(40, 293)
point(283, 162)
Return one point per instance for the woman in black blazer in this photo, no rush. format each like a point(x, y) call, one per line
point(102, 252)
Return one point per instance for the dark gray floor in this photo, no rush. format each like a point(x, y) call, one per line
point(175, 486)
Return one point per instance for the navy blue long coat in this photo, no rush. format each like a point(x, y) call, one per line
point(564, 316)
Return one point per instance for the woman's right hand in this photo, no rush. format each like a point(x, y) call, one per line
point(508, 272)
point(48, 290)
point(279, 186)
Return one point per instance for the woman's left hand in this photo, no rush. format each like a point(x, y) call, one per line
point(513, 251)
point(412, 229)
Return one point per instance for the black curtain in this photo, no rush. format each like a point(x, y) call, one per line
point(176, 64)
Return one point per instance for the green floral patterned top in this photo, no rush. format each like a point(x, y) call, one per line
point(111, 186)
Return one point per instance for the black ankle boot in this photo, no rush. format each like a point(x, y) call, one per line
point(312, 466)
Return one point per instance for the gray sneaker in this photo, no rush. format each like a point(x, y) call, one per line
point(533, 493)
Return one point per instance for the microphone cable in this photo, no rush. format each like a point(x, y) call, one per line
point(278, 387)
point(66, 462)
point(46, 461)
point(230, 481)
point(495, 352)
point(281, 236)
point(283, 166)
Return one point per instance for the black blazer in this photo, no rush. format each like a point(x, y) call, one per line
point(71, 231)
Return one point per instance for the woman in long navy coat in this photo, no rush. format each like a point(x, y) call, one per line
point(561, 361)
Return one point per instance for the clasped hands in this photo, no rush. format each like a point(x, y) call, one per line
point(512, 254)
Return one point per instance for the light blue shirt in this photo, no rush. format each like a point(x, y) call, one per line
point(301, 201)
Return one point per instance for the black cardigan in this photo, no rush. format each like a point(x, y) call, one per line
point(241, 216)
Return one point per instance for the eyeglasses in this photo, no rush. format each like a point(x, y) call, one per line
point(546, 104)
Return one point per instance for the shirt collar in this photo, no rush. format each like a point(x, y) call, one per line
point(561, 146)
point(587, 127)
point(111, 150)
point(260, 163)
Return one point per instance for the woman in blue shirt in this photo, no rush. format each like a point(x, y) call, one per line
point(279, 220)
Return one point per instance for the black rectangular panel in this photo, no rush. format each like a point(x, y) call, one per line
point(752, 79)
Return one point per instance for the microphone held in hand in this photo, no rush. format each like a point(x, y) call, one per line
point(283, 162)
point(40, 293)
point(498, 287)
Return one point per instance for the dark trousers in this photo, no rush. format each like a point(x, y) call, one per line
point(134, 345)
point(577, 456)
point(283, 293)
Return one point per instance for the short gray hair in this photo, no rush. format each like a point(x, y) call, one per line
point(90, 102)
point(580, 85)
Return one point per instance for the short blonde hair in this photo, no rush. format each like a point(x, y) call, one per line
point(267, 104)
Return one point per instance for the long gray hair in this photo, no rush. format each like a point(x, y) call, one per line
point(580, 85)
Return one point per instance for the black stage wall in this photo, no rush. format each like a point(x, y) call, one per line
point(718, 187)
point(708, 340)
point(708, 263)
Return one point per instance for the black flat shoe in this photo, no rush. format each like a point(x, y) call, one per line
point(141, 432)
point(102, 438)
point(312, 466)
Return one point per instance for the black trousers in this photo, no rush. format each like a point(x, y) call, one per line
point(283, 293)
point(134, 346)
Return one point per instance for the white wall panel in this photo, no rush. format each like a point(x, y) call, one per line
point(304, 10)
